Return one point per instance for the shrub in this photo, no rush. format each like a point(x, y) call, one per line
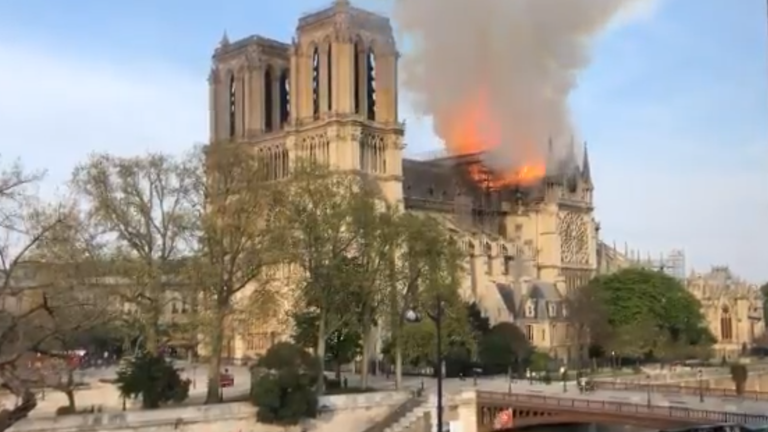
point(739, 375)
point(284, 390)
point(65, 410)
point(152, 378)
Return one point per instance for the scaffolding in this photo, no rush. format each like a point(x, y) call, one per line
point(672, 263)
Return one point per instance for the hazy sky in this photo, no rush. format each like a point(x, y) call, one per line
point(674, 105)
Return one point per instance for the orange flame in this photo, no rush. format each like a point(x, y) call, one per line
point(475, 129)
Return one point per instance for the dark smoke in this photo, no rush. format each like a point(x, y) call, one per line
point(526, 53)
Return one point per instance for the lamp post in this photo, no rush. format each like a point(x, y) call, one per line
point(648, 389)
point(563, 377)
point(700, 374)
point(413, 316)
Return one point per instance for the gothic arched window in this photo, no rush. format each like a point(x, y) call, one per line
point(726, 324)
point(232, 106)
point(329, 81)
point(370, 84)
point(269, 114)
point(285, 97)
point(358, 77)
point(315, 83)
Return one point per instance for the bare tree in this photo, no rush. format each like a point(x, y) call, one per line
point(241, 245)
point(140, 208)
point(32, 306)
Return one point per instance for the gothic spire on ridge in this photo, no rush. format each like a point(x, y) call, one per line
point(224, 39)
point(586, 172)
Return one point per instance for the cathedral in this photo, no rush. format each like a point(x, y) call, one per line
point(331, 94)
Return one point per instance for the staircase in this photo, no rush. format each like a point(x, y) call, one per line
point(411, 418)
point(403, 416)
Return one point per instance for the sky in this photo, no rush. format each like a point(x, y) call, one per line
point(673, 106)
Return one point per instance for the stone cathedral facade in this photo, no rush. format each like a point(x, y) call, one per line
point(331, 94)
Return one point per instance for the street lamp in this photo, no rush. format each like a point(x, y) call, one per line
point(648, 389)
point(700, 374)
point(563, 377)
point(437, 317)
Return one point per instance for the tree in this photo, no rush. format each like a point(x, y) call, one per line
point(239, 245)
point(284, 385)
point(343, 345)
point(739, 375)
point(764, 292)
point(154, 379)
point(587, 316)
point(32, 305)
point(647, 312)
point(427, 267)
point(504, 348)
point(377, 233)
point(140, 207)
point(480, 324)
point(318, 208)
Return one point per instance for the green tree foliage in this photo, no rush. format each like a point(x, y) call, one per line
point(154, 379)
point(427, 272)
point(343, 344)
point(504, 348)
point(320, 209)
point(764, 292)
point(284, 385)
point(239, 245)
point(480, 324)
point(647, 312)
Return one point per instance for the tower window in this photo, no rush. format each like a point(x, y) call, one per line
point(316, 84)
point(232, 106)
point(285, 97)
point(268, 101)
point(357, 81)
point(370, 84)
point(329, 82)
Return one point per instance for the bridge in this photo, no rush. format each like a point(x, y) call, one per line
point(508, 411)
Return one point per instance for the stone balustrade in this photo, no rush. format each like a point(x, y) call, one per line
point(340, 412)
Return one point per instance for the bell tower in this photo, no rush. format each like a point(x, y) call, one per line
point(345, 72)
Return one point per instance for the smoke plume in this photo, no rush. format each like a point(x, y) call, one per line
point(521, 57)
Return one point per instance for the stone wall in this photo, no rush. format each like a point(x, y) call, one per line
point(345, 412)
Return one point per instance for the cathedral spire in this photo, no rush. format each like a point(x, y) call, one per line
point(224, 39)
point(586, 172)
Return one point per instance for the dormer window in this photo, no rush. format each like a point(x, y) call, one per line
point(552, 309)
point(530, 309)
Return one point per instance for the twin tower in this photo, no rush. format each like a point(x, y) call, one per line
point(329, 95)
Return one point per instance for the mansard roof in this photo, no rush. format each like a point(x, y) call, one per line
point(515, 298)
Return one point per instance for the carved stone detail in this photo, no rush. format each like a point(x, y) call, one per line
point(316, 146)
point(574, 238)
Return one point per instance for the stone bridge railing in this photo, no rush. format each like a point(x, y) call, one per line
point(542, 409)
point(681, 389)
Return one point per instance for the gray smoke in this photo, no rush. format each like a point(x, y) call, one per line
point(525, 54)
